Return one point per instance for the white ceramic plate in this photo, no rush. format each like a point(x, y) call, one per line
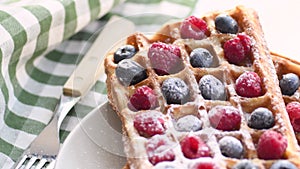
point(95, 143)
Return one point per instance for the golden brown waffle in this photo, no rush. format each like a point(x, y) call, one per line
point(285, 65)
point(260, 62)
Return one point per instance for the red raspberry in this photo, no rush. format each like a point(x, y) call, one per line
point(237, 49)
point(204, 165)
point(193, 27)
point(293, 109)
point(226, 118)
point(165, 58)
point(149, 123)
point(193, 147)
point(271, 145)
point(159, 148)
point(143, 98)
point(248, 84)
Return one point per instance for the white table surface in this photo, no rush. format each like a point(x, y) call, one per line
point(280, 20)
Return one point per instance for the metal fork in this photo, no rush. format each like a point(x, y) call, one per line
point(43, 150)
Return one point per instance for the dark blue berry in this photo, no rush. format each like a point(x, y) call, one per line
point(130, 72)
point(124, 52)
point(261, 118)
point(283, 164)
point(289, 84)
point(188, 123)
point(175, 91)
point(212, 88)
point(201, 57)
point(245, 164)
point(231, 147)
point(226, 24)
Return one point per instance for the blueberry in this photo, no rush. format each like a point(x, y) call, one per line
point(130, 72)
point(188, 123)
point(226, 24)
point(124, 52)
point(261, 118)
point(289, 84)
point(175, 91)
point(283, 164)
point(201, 57)
point(212, 88)
point(245, 164)
point(231, 147)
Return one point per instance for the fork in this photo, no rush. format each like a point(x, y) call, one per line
point(43, 150)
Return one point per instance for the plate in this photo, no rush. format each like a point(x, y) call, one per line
point(94, 143)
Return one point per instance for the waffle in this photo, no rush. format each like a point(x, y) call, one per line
point(137, 145)
point(285, 65)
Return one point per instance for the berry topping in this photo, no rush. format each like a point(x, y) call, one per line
point(149, 123)
point(130, 72)
point(245, 164)
point(124, 52)
point(226, 24)
point(231, 147)
point(204, 165)
point(226, 118)
point(283, 164)
point(159, 148)
point(237, 49)
point(188, 123)
point(293, 109)
point(175, 91)
point(143, 98)
point(193, 28)
point(201, 57)
point(248, 84)
point(165, 58)
point(193, 147)
point(271, 141)
point(261, 118)
point(212, 88)
point(289, 84)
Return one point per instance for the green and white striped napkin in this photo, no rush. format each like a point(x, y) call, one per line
point(41, 42)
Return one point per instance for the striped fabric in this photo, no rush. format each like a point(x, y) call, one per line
point(41, 42)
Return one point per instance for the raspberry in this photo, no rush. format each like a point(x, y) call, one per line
point(271, 145)
point(204, 165)
point(293, 109)
point(193, 147)
point(159, 148)
point(248, 84)
point(149, 123)
point(144, 98)
point(226, 118)
point(237, 49)
point(193, 27)
point(165, 58)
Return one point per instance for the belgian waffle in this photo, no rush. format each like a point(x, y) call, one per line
point(259, 61)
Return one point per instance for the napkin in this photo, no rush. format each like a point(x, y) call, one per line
point(41, 43)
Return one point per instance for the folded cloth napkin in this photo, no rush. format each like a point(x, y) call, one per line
point(41, 42)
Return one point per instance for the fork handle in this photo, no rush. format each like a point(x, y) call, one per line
point(84, 76)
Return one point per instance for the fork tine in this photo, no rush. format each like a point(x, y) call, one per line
point(31, 162)
point(41, 163)
point(51, 165)
point(21, 161)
